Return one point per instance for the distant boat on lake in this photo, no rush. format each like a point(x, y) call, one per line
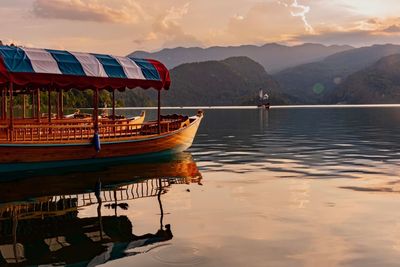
point(263, 101)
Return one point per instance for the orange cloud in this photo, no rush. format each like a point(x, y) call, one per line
point(298, 10)
point(263, 22)
point(392, 29)
point(359, 33)
point(149, 25)
point(86, 10)
point(167, 28)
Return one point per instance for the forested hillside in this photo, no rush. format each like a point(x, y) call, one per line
point(379, 83)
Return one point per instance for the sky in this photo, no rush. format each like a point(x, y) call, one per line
point(122, 26)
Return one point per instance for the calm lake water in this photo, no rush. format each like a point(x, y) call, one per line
point(285, 187)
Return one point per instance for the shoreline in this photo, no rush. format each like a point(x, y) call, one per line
point(255, 107)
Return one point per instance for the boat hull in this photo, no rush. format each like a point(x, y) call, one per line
point(15, 157)
point(265, 106)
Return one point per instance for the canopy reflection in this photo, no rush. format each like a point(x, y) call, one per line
point(38, 228)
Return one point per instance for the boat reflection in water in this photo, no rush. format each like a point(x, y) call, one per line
point(47, 229)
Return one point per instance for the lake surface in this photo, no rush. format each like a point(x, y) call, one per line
point(284, 187)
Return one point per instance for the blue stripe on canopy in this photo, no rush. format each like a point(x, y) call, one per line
point(16, 59)
point(111, 66)
point(67, 62)
point(148, 69)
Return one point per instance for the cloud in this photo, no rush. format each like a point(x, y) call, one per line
point(299, 10)
point(8, 41)
point(167, 28)
point(393, 28)
point(87, 10)
point(360, 33)
point(264, 22)
point(151, 25)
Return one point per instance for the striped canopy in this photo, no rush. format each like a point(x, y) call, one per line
point(46, 68)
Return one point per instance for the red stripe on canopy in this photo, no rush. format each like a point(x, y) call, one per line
point(162, 71)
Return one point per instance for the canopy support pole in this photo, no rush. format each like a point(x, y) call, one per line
point(23, 106)
point(49, 105)
point(38, 104)
point(61, 104)
point(113, 104)
point(4, 103)
point(159, 112)
point(96, 110)
point(11, 125)
point(33, 104)
point(58, 105)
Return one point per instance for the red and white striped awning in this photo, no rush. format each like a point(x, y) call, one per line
point(38, 68)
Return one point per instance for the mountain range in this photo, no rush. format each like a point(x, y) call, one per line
point(273, 57)
point(376, 84)
point(304, 74)
point(233, 81)
point(312, 83)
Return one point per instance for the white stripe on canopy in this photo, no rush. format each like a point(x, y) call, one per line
point(90, 64)
point(42, 61)
point(131, 70)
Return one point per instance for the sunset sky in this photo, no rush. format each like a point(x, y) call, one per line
point(122, 26)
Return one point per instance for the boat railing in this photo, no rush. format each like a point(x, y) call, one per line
point(60, 204)
point(66, 121)
point(83, 130)
point(145, 189)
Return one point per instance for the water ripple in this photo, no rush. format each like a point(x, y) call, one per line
point(334, 143)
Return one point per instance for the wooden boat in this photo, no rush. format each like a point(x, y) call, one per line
point(138, 119)
point(26, 72)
